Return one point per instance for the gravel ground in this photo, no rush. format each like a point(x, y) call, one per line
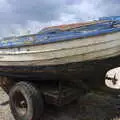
point(5, 113)
point(93, 106)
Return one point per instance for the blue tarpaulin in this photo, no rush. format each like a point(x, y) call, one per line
point(109, 25)
point(112, 18)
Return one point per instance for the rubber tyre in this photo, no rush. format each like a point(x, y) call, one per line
point(34, 101)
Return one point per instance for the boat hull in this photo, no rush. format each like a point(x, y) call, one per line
point(79, 59)
point(87, 70)
point(65, 52)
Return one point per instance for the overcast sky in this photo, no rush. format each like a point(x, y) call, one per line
point(19, 16)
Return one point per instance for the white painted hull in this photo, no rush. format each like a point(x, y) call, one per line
point(79, 50)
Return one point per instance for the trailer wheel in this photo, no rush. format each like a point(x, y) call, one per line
point(26, 101)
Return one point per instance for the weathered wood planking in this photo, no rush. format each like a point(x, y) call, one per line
point(79, 50)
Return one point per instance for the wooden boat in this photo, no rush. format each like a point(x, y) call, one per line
point(83, 52)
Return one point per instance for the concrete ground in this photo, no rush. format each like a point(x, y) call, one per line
point(93, 106)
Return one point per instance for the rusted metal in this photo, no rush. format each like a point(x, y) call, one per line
point(62, 97)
